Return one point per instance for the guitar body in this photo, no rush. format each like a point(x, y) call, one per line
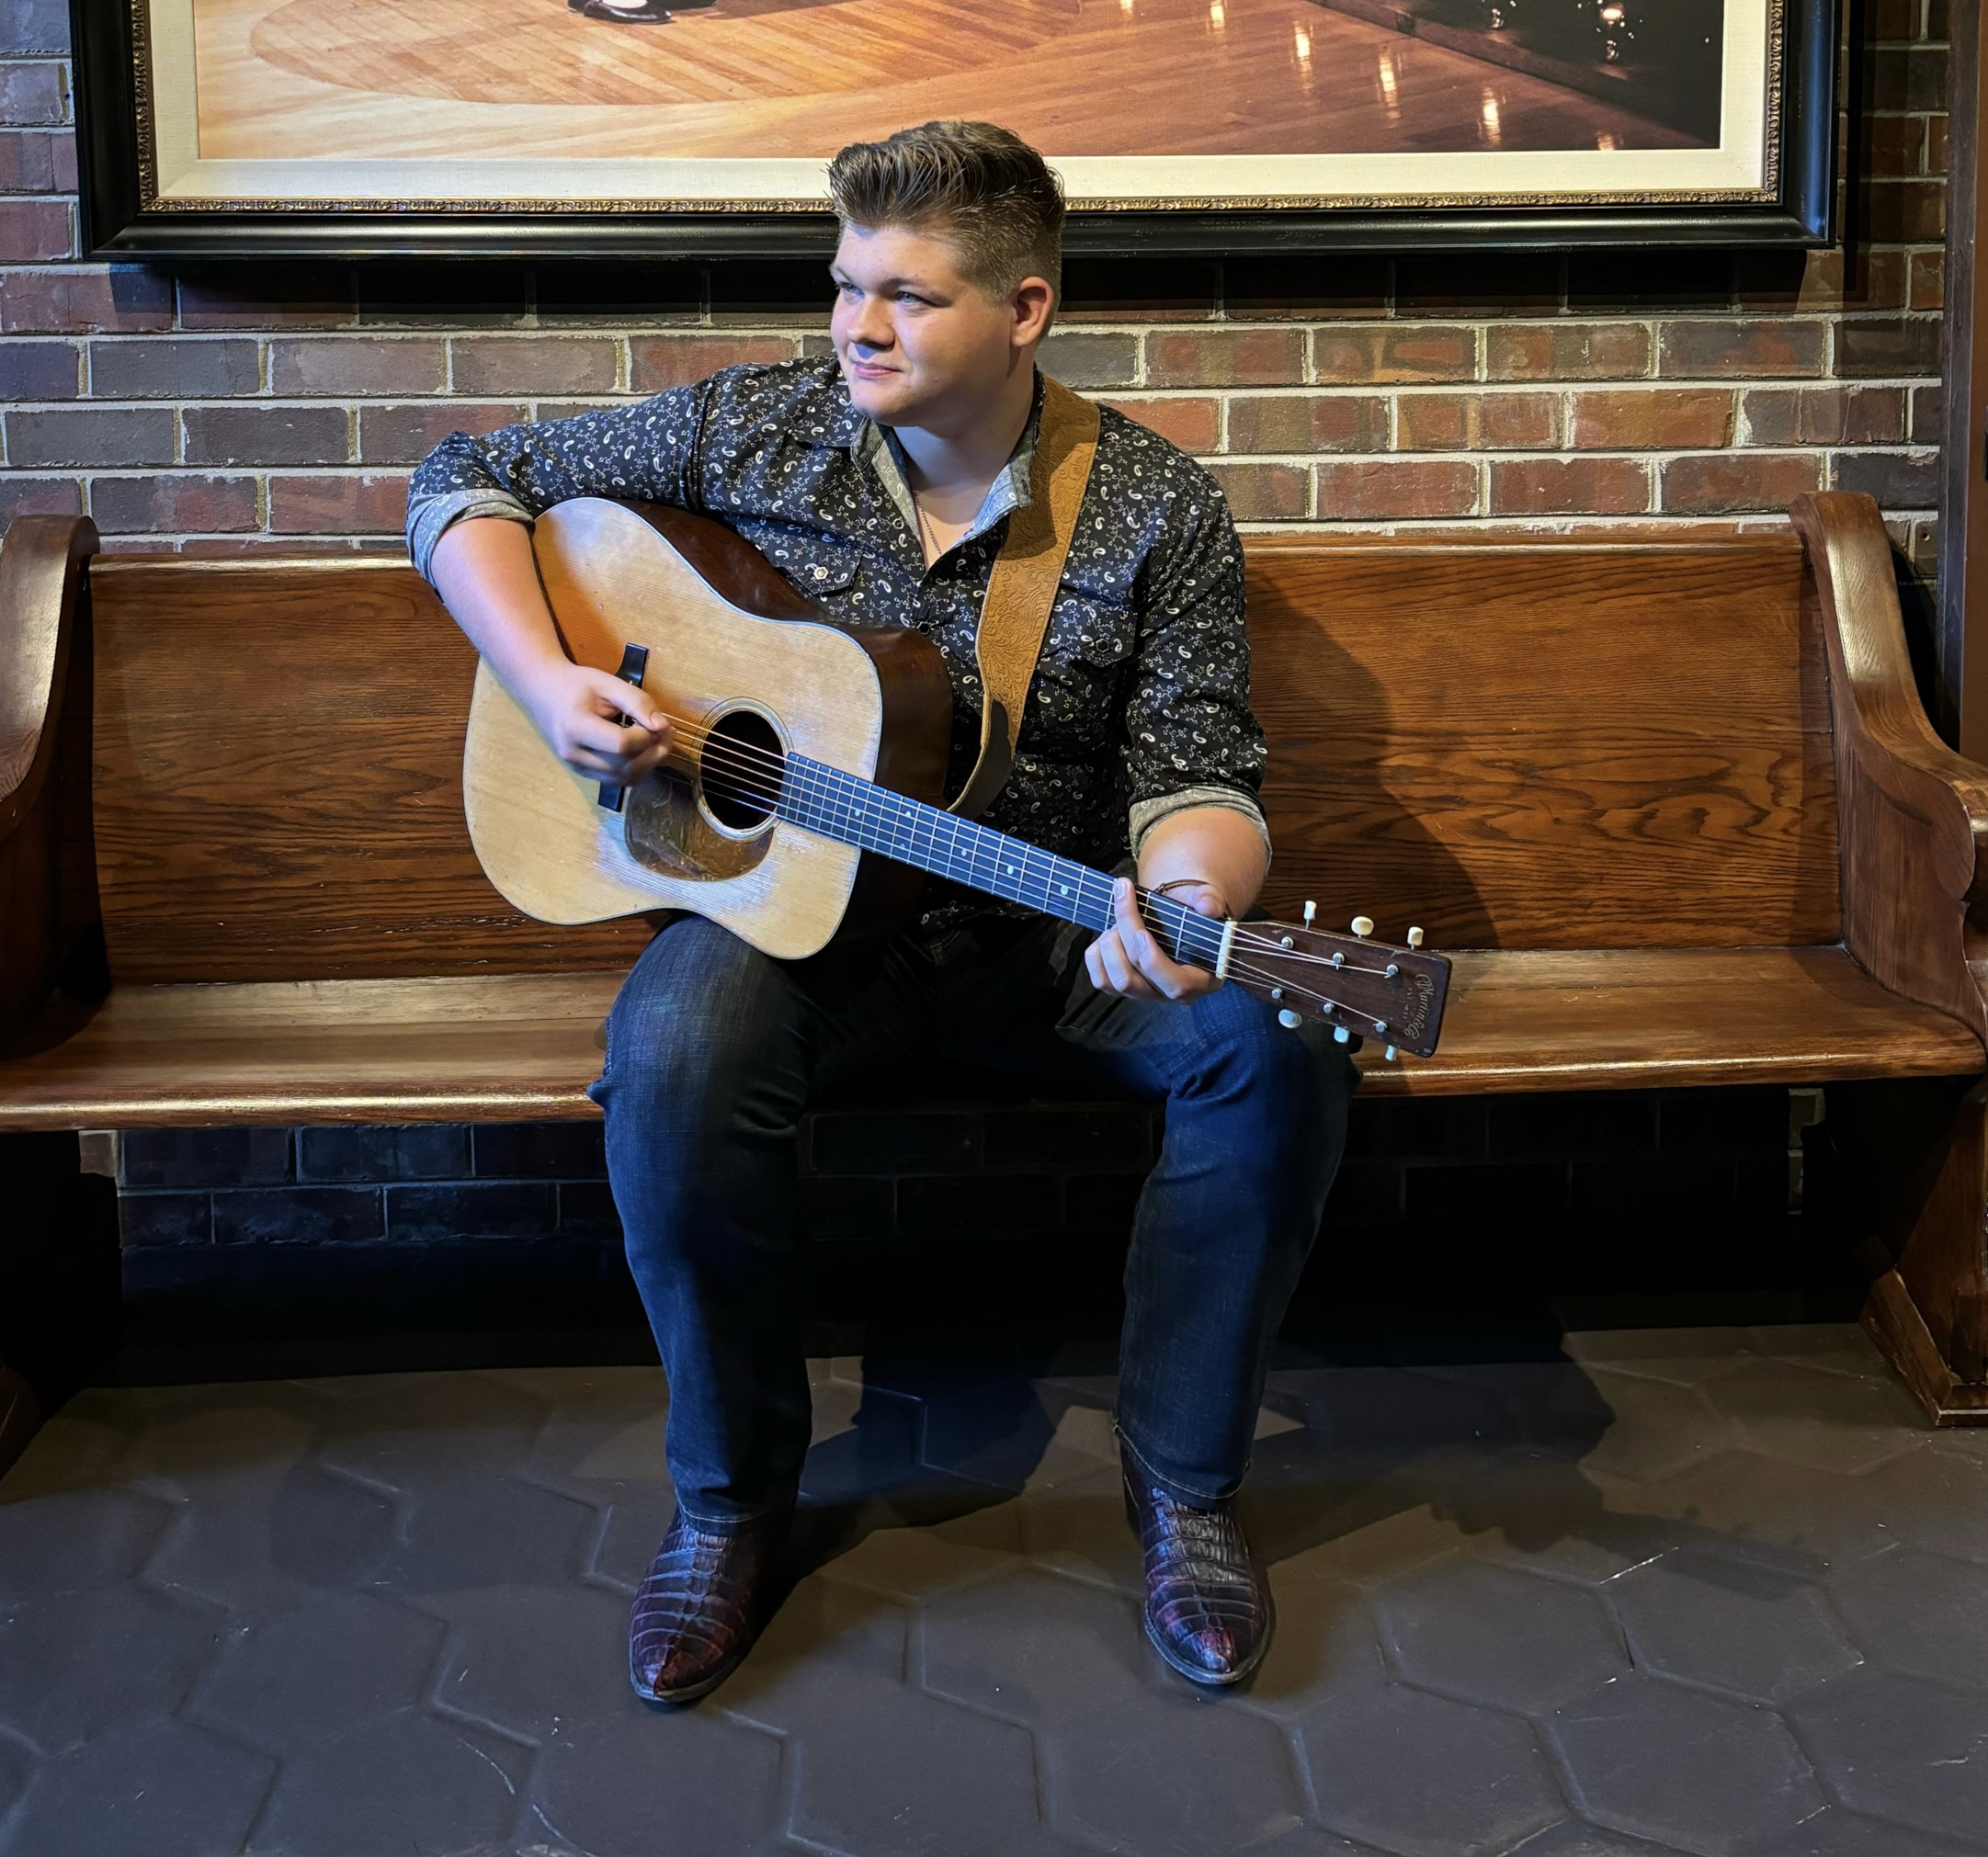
point(733, 649)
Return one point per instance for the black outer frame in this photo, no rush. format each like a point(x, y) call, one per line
point(115, 227)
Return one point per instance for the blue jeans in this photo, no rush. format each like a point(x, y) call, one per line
point(714, 1052)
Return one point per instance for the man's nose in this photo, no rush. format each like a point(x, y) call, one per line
point(871, 326)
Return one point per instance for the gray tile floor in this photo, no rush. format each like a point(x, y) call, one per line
point(1705, 1591)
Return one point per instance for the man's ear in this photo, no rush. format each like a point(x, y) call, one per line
point(1034, 304)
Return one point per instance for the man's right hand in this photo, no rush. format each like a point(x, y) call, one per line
point(575, 707)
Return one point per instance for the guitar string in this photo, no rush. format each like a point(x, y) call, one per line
point(743, 761)
point(1204, 930)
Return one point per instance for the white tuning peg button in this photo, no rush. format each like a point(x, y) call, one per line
point(1310, 910)
point(1363, 926)
point(1389, 1054)
point(1290, 1020)
point(1341, 1035)
point(1414, 938)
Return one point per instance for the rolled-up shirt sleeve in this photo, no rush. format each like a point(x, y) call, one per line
point(1191, 737)
point(646, 451)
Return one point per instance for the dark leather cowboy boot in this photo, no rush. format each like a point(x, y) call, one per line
point(1207, 1608)
point(699, 1609)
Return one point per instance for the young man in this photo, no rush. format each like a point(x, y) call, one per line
point(881, 484)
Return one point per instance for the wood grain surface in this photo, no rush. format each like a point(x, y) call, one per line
point(1603, 746)
point(798, 78)
point(278, 789)
point(521, 1047)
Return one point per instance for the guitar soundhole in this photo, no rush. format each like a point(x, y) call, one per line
point(741, 764)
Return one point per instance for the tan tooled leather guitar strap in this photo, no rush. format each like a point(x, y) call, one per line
point(1021, 592)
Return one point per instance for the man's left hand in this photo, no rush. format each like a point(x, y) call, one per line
point(1126, 959)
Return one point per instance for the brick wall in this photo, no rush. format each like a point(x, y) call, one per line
point(229, 407)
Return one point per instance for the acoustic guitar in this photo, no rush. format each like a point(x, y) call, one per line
point(800, 799)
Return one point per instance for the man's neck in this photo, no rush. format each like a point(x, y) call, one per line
point(956, 461)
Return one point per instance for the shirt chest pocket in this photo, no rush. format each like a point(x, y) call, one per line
point(826, 573)
point(1091, 633)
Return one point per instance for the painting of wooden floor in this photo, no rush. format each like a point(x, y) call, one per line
point(412, 79)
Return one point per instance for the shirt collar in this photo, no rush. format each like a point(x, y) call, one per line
point(877, 446)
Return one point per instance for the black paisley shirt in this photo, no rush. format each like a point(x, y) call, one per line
point(1140, 705)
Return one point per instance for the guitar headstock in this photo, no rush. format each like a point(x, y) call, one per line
point(1358, 986)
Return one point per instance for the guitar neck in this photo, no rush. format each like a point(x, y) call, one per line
point(854, 811)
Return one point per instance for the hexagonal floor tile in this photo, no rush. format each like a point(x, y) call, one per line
point(1937, 1497)
point(1837, 1833)
point(406, 1430)
point(1758, 1502)
point(258, 1543)
point(1495, 1635)
point(73, 1664)
point(1326, 1642)
point(74, 1539)
point(1758, 1630)
point(1806, 1415)
point(1657, 1428)
point(17, 1769)
point(884, 1770)
point(402, 1784)
point(153, 1789)
point(486, 1531)
point(649, 1782)
point(1170, 1775)
point(1918, 1613)
point(534, 1661)
point(1898, 1749)
point(1576, 1838)
point(1427, 1777)
point(1628, 1744)
point(338, 1659)
point(1032, 1648)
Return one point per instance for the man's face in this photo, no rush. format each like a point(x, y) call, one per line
point(920, 344)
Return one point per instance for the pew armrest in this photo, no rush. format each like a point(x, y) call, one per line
point(44, 565)
point(1912, 814)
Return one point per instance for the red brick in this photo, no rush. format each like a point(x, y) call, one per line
point(1895, 144)
point(1928, 287)
point(1194, 425)
point(34, 26)
point(1088, 360)
point(338, 505)
point(1905, 212)
point(1121, 289)
point(1861, 279)
point(1308, 422)
point(1936, 144)
point(1724, 483)
point(28, 160)
point(1306, 290)
point(1896, 479)
point(534, 364)
point(1568, 351)
point(32, 231)
point(1909, 77)
point(1868, 345)
point(1928, 423)
point(301, 296)
point(1570, 486)
point(1393, 353)
point(114, 300)
point(163, 503)
point(1477, 422)
point(1375, 490)
point(31, 94)
point(1823, 416)
point(1225, 358)
point(1477, 284)
point(1264, 493)
point(1757, 347)
point(39, 496)
point(659, 361)
point(341, 366)
point(406, 435)
point(1645, 419)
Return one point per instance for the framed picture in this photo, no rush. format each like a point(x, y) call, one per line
point(614, 127)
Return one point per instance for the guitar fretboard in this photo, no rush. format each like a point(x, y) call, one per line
point(854, 811)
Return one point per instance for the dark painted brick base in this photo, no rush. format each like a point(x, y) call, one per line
point(1636, 1161)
